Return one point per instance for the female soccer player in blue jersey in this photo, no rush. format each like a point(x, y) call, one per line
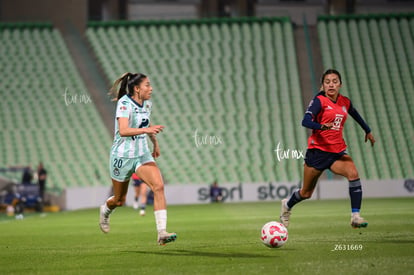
point(130, 153)
point(326, 115)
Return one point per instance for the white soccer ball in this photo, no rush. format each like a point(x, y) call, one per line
point(274, 234)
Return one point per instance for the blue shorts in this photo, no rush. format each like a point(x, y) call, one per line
point(137, 183)
point(321, 160)
point(121, 169)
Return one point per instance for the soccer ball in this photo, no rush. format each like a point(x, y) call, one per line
point(274, 234)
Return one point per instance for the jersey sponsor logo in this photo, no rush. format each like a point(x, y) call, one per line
point(344, 109)
point(144, 123)
point(137, 137)
point(139, 111)
point(122, 108)
point(337, 122)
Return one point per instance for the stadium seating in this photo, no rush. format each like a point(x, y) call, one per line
point(227, 91)
point(46, 111)
point(375, 56)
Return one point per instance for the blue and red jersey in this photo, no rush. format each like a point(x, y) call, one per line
point(322, 110)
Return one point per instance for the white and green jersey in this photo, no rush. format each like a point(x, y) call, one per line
point(138, 117)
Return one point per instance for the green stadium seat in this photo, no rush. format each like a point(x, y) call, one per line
point(375, 57)
point(40, 63)
point(224, 79)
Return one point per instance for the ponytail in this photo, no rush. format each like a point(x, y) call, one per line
point(128, 82)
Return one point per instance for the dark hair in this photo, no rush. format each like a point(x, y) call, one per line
point(331, 71)
point(128, 82)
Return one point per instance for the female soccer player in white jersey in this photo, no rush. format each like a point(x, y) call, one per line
point(130, 152)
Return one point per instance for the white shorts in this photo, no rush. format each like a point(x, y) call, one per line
point(121, 169)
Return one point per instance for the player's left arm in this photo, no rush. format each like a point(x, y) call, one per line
point(358, 118)
point(156, 148)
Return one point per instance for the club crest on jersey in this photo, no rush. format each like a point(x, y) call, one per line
point(116, 172)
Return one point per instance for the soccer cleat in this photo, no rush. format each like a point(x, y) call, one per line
point(135, 205)
point(358, 222)
point(142, 212)
point(103, 221)
point(164, 238)
point(284, 213)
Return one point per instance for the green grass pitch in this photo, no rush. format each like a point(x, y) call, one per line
point(214, 239)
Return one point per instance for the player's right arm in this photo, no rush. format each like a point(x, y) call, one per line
point(126, 131)
point(309, 119)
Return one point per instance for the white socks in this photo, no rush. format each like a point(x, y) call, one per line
point(161, 220)
point(107, 211)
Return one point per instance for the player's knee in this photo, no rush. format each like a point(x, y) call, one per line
point(353, 174)
point(158, 188)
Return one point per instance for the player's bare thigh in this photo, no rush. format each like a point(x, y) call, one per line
point(310, 178)
point(345, 166)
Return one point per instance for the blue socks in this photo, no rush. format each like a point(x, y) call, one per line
point(355, 193)
point(294, 199)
